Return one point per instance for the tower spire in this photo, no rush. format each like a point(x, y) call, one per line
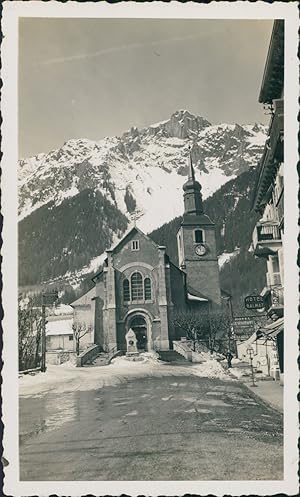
point(191, 168)
point(192, 191)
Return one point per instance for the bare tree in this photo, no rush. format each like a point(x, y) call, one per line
point(29, 328)
point(219, 329)
point(212, 327)
point(193, 324)
point(79, 331)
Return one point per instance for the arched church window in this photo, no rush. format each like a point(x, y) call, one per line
point(126, 291)
point(147, 289)
point(199, 236)
point(136, 286)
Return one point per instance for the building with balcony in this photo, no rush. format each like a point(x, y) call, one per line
point(268, 195)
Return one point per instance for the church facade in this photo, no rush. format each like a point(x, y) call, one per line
point(140, 288)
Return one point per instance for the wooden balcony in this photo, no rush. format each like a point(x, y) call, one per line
point(272, 156)
point(266, 238)
point(280, 210)
point(276, 131)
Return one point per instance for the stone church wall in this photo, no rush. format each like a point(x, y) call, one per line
point(178, 295)
point(202, 271)
point(99, 303)
point(147, 253)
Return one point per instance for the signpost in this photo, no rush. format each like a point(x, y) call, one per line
point(254, 302)
point(250, 352)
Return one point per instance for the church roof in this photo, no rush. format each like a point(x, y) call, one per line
point(85, 298)
point(192, 219)
point(195, 294)
point(128, 233)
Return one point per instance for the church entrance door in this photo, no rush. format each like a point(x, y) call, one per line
point(139, 326)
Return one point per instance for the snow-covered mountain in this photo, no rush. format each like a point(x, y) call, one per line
point(138, 171)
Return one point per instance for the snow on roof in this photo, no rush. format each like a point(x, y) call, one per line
point(198, 299)
point(63, 309)
point(59, 326)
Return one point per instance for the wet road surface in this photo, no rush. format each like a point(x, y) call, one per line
point(153, 428)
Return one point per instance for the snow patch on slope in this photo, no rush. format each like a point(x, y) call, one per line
point(226, 256)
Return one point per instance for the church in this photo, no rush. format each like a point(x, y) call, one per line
point(139, 287)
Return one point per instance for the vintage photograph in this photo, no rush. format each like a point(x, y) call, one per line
point(151, 248)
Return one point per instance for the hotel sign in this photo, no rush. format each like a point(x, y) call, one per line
point(243, 326)
point(254, 302)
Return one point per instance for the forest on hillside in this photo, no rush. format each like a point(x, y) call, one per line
point(57, 239)
point(230, 209)
point(54, 240)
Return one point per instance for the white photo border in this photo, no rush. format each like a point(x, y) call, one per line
point(12, 11)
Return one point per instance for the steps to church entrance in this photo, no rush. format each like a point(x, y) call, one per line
point(172, 357)
point(101, 359)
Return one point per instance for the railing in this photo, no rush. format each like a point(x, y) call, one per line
point(280, 209)
point(265, 233)
point(30, 371)
point(183, 350)
point(112, 353)
point(87, 355)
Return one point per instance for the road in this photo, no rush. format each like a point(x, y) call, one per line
point(155, 427)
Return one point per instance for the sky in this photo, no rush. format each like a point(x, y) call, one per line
point(91, 78)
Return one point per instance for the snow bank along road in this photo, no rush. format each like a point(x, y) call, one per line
point(67, 378)
point(145, 421)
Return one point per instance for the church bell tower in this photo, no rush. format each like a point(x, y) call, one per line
point(196, 240)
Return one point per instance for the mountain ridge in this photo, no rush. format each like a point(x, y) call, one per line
point(131, 177)
point(148, 164)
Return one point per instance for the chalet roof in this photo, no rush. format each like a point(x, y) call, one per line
point(60, 325)
point(272, 83)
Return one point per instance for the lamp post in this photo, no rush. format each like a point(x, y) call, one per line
point(250, 352)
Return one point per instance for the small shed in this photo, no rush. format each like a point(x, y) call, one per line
point(59, 333)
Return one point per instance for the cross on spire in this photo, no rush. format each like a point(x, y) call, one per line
point(133, 218)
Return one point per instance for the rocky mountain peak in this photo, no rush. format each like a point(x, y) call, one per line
point(182, 124)
point(139, 169)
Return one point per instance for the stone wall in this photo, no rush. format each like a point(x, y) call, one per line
point(58, 357)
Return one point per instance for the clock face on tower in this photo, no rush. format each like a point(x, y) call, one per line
point(200, 249)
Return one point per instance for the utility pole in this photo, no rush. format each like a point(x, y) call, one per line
point(43, 341)
point(47, 299)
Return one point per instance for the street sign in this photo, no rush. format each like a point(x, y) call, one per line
point(243, 320)
point(49, 298)
point(243, 325)
point(254, 302)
